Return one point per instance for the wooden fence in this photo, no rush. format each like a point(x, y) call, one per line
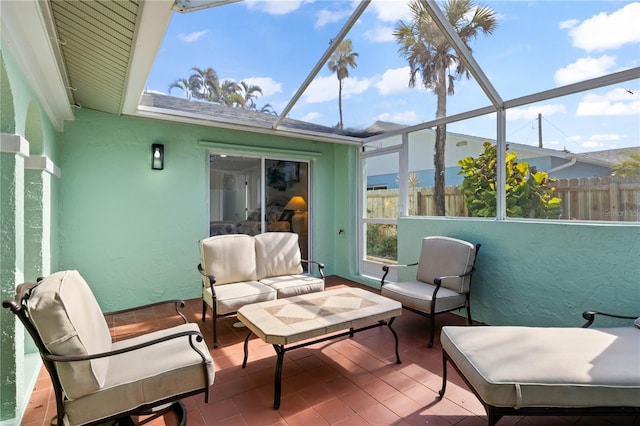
point(609, 198)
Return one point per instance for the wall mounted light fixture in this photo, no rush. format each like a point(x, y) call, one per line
point(157, 156)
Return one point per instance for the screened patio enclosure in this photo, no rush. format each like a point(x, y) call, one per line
point(88, 88)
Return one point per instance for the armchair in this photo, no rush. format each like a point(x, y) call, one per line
point(96, 380)
point(443, 280)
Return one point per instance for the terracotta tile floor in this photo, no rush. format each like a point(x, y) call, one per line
point(339, 382)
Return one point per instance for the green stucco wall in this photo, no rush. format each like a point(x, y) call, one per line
point(28, 223)
point(540, 273)
point(133, 232)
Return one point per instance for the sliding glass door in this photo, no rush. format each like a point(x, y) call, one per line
point(251, 195)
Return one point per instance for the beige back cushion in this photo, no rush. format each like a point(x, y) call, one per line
point(277, 253)
point(442, 256)
point(229, 258)
point(70, 322)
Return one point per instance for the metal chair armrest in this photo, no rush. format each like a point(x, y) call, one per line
point(438, 280)
point(319, 264)
point(385, 268)
point(178, 303)
point(590, 316)
point(75, 358)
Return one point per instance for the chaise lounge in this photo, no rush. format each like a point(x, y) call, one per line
point(539, 371)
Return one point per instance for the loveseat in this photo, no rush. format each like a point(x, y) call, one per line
point(538, 371)
point(241, 269)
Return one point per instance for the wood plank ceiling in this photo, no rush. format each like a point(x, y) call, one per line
point(96, 39)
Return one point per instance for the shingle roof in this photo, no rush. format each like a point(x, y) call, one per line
point(241, 116)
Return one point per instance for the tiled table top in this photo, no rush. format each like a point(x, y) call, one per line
point(297, 318)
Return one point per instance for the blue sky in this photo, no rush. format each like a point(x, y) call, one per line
point(538, 45)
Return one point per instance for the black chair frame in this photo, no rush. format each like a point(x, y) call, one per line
point(438, 283)
point(158, 408)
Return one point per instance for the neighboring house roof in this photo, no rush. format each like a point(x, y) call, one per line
point(609, 156)
point(215, 111)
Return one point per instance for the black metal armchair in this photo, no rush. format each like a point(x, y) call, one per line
point(96, 380)
point(443, 279)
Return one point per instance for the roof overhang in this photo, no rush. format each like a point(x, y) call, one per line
point(26, 31)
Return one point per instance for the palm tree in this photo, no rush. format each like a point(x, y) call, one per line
point(181, 83)
point(251, 92)
point(340, 60)
point(230, 94)
point(436, 65)
point(205, 84)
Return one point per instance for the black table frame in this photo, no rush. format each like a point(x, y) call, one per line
point(281, 350)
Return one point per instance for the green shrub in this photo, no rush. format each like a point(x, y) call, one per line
point(529, 193)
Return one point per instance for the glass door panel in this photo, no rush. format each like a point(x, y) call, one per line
point(234, 195)
point(380, 211)
point(287, 199)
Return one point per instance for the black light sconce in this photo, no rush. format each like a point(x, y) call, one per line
point(157, 156)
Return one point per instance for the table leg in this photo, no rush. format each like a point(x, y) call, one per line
point(246, 350)
point(278, 379)
point(396, 337)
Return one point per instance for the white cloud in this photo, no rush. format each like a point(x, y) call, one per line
point(590, 145)
point(380, 34)
point(407, 117)
point(312, 117)
point(603, 31)
point(390, 10)
point(324, 89)
point(275, 7)
point(326, 16)
point(584, 69)
point(568, 24)
point(268, 85)
point(531, 113)
point(607, 137)
point(614, 102)
point(394, 81)
point(191, 37)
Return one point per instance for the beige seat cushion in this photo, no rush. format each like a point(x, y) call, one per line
point(442, 256)
point(418, 295)
point(548, 367)
point(146, 375)
point(230, 297)
point(294, 285)
point(277, 253)
point(70, 322)
point(229, 258)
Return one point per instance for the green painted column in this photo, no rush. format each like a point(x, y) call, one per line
point(13, 151)
point(39, 176)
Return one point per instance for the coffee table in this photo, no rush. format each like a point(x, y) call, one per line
point(303, 318)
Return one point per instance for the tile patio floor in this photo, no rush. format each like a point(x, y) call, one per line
point(347, 381)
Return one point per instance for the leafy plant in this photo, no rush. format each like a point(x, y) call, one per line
point(529, 193)
point(628, 167)
point(382, 241)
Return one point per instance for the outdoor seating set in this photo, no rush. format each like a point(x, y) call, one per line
point(512, 370)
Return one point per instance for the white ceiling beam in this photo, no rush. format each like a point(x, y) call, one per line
point(464, 54)
point(153, 21)
point(323, 60)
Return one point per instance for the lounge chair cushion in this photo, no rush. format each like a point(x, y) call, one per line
point(277, 253)
point(70, 322)
point(548, 367)
point(228, 258)
point(146, 375)
point(446, 256)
